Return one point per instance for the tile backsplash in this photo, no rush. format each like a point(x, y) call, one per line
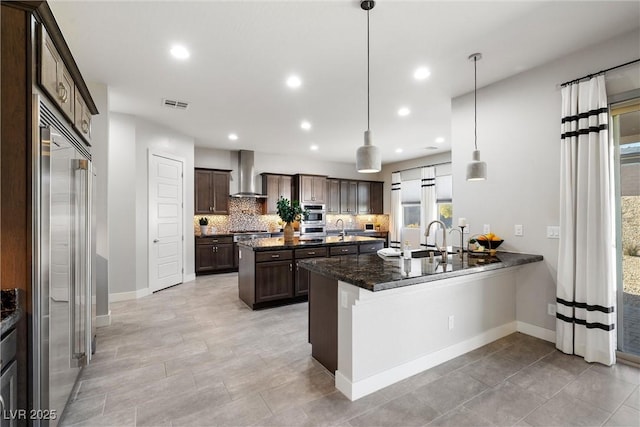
point(246, 214)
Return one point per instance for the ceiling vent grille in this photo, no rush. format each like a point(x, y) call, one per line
point(178, 105)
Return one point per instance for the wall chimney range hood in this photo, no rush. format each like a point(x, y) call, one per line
point(247, 176)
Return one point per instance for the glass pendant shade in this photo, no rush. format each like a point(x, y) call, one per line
point(476, 170)
point(368, 158)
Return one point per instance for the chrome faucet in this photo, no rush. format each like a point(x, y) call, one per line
point(461, 251)
point(342, 233)
point(443, 250)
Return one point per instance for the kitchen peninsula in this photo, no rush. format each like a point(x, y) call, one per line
point(269, 269)
point(375, 320)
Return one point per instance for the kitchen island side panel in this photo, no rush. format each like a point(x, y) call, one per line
point(247, 276)
point(385, 337)
point(323, 320)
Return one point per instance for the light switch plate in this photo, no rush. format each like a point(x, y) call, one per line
point(486, 229)
point(518, 230)
point(553, 231)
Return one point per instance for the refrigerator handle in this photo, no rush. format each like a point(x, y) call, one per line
point(80, 171)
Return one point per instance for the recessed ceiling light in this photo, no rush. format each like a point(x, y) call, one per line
point(404, 111)
point(398, 150)
point(179, 52)
point(305, 125)
point(233, 137)
point(294, 82)
point(439, 140)
point(314, 147)
point(421, 73)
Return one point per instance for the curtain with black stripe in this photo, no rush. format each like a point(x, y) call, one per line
point(428, 206)
point(395, 228)
point(585, 298)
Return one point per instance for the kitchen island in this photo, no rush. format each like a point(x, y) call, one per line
point(375, 320)
point(269, 269)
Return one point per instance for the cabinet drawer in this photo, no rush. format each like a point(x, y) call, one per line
point(343, 250)
point(310, 253)
point(8, 347)
point(273, 256)
point(214, 240)
point(369, 247)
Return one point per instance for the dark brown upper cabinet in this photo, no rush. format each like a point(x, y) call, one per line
point(275, 186)
point(211, 191)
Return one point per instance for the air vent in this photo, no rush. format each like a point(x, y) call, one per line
point(178, 105)
point(431, 147)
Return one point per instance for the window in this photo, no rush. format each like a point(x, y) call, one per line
point(411, 203)
point(444, 191)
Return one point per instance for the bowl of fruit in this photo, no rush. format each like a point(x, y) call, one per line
point(485, 244)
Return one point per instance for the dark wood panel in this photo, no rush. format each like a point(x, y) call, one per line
point(348, 197)
point(224, 256)
point(247, 276)
point(274, 255)
point(274, 280)
point(323, 320)
point(301, 283)
point(311, 253)
point(363, 197)
point(220, 192)
point(366, 248)
point(376, 197)
point(333, 196)
point(213, 240)
point(202, 188)
point(343, 250)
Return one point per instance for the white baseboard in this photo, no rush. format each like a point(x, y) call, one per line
point(104, 320)
point(189, 277)
point(537, 331)
point(376, 382)
point(125, 296)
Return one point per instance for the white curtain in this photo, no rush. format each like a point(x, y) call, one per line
point(428, 206)
point(585, 319)
point(395, 238)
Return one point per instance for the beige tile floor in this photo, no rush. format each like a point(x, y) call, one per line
point(193, 355)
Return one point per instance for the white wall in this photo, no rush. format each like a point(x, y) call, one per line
point(122, 203)
point(100, 161)
point(130, 140)
point(518, 136)
point(275, 163)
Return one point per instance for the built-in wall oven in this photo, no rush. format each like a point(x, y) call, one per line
point(316, 223)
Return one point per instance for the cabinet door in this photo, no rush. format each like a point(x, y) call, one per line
point(205, 258)
point(67, 89)
point(224, 255)
point(333, 196)
point(271, 188)
point(284, 187)
point(363, 198)
point(302, 280)
point(306, 189)
point(319, 189)
point(274, 280)
point(203, 202)
point(82, 117)
point(376, 197)
point(220, 190)
point(49, 66)
point(348, 196)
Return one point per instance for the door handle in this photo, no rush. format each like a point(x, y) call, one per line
point(290, 267)
point(155, 240)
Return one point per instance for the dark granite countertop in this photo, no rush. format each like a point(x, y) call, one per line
point(276, 243)
point(11, 309)
point(377, 273)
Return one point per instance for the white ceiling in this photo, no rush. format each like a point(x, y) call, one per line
point(243, 51)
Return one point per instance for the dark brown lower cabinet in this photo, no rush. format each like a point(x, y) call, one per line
point(214, 254)
point(274, 280)
point(323, 320)
point(302, 274)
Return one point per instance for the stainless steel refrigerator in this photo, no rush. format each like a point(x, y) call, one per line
point(63, 322)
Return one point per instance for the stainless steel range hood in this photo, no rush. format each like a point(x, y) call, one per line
point(247, 176)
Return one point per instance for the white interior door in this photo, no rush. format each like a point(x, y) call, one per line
point(165, 222)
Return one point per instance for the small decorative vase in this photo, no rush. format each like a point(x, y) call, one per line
point(203, 230)
point(288, 232)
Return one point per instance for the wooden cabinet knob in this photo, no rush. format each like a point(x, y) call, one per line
point(63, 94)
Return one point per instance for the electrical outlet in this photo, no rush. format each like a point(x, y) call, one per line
point(553, 232)
point(451, 320)
point(344, 299)
point(486, 229)
point(551, 309)
point(518, 230)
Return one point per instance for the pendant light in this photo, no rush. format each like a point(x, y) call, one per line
point(368, 158)
point(476, 170)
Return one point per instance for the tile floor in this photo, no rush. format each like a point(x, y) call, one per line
point(193, 355)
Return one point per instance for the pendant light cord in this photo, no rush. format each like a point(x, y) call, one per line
point(368, 77)
point(475, 102)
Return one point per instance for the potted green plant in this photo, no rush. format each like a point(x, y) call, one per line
point(204, 224)
point(290, 212)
